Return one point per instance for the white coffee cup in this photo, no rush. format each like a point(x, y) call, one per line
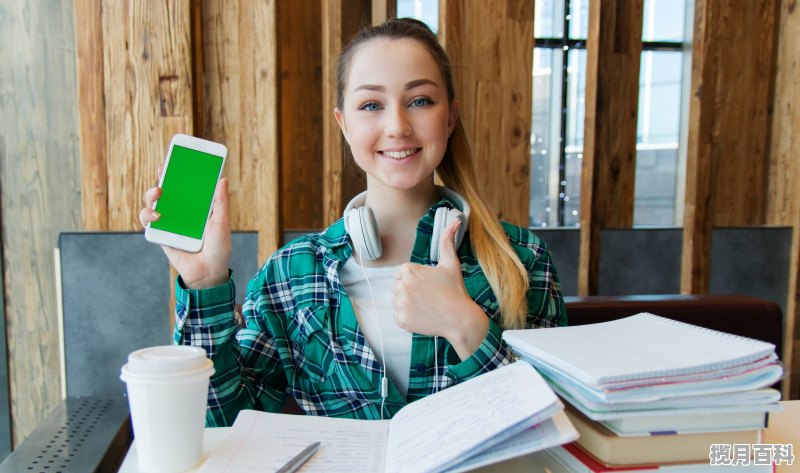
point(167, 395)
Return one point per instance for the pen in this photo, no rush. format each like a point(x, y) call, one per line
point(299, 459)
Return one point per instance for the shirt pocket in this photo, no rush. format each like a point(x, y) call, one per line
point(312, 344)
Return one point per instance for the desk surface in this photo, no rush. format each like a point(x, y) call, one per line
point(783, 428)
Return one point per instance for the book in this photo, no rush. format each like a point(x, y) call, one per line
point(499, 415)
point(701, 422)
point(644, 358)
point(574, 460)
point(614, 450)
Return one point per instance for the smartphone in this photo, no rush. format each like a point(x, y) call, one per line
point(191, 172)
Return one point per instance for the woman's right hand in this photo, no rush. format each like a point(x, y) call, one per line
point(208, 267)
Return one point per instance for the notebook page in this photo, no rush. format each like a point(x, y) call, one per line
point(556, 430)
point(459, 421)
point(642, 345)
point(262, 441)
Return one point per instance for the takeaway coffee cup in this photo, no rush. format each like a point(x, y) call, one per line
point(167, 394)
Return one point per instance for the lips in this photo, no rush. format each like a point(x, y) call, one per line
point(400, 154)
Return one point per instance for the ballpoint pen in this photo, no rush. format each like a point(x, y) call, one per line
point(299, 459)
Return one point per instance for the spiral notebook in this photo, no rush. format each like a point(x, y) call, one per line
point(638, 347)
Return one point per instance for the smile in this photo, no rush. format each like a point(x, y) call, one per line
point(400, 154)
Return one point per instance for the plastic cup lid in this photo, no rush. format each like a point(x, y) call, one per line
point(167, 361)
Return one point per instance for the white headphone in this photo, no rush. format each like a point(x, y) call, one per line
point(360, 224)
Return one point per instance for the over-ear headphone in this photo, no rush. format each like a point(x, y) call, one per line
point(360, 224)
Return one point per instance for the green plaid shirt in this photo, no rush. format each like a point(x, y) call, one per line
point(300, 337)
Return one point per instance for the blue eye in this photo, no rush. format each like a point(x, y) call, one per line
point(421, 102)
point(370, 107)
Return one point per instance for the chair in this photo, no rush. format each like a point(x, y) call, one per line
point(115, 298)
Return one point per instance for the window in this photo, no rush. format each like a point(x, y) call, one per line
point(559, 89)
point(663, 104)
point(426, 11)
point(559, 84)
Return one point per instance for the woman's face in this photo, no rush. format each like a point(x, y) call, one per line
point(396, 115)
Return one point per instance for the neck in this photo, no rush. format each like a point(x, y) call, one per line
point(397, 213)
point(394, 207)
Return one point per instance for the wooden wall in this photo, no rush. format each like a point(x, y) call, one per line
point(490, 44)
point(239, 98)
point(729, 125)
point(613, 53)
point(259, 77)
point(783, 191)
point(41, 192)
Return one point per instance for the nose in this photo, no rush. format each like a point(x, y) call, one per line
point(397, 123)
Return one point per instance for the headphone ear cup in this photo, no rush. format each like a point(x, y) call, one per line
point(363, 230)
point(441, 220)
point(439, 224)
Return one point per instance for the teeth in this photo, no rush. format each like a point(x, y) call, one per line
point(399, 154)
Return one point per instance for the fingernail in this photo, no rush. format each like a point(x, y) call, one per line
point(156, 214)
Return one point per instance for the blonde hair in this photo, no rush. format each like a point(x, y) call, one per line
point(502, 267)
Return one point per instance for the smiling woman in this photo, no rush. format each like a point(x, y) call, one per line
point(449, 276)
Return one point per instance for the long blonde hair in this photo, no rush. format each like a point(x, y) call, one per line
point(502, 267)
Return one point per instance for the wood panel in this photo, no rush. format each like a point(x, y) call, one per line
point(490, 44)
point(613, 54)
point(729, 126)
point(697, 223)
point(259, 44)
point(40, 180)
point(783, 203)
point(300, 36)
point(340, 21)
point(148, 91)
point(240, 102)
point(92, 112)
point(383, 10)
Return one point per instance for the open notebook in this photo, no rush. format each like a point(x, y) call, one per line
point(499, 415)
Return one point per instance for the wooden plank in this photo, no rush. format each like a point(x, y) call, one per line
point(300, 102)
point(745, 40)
point(332, 205)
point(491, 43)
point(40, 181)
point(613, 53)
point(383, 10)
point(91, 107)
point(148, 90)
point(223, 102)
point(697, 223)
point(729, 126)
point(258, 46)
point(338, 26)
point(783, 203)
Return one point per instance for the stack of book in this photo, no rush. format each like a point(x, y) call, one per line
point(646, 391)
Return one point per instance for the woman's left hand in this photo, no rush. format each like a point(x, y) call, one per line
point(432, 300)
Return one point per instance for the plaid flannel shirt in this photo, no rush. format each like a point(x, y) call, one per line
point(300, 338)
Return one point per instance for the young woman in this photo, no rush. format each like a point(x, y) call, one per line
point(406, 295)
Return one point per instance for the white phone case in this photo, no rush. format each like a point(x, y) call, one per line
point(175, 240)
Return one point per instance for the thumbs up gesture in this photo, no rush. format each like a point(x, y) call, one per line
point(432, 300)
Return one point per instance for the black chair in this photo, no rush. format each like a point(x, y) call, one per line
point(115, 294)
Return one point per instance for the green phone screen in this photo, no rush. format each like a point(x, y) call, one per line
point(187, 191)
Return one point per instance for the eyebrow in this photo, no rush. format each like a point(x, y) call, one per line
point(411, 85)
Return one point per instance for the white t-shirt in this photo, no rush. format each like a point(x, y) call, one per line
point(396, 341)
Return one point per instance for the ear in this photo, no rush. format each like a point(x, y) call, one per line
point(452, 117)
point(340, 120)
